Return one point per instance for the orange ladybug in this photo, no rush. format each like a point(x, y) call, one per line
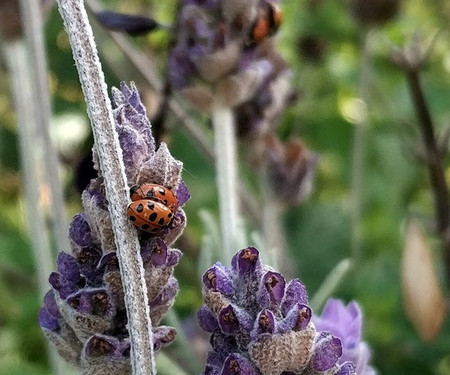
point(149, 215)
point(268, 21)
point(154, 192)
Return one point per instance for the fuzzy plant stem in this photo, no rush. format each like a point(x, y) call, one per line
point(358, 155)
point(113, 170)
point(434, 159)
point(17, 59)
point(226, 177)
point(32, 21)
point(271, 224)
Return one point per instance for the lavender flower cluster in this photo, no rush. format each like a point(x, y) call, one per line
point(84, 311)
point(260, 324)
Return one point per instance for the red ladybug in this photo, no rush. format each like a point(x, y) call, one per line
point(149, 215)
point(268, 21)
point(154, 192)
point(152, 208)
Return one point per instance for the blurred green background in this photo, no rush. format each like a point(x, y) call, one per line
point(322, 40)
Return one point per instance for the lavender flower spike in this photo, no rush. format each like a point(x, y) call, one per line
point(84, 312)
point(345, 322)
point(261, 325)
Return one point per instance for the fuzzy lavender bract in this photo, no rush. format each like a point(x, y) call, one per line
point(260, 324)
point(84, 313)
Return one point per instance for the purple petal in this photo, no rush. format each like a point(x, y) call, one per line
point(218, 278)
point(50, 304)
point(182, 193)
point(80, 231)
point(246, 261)
point(101, 345)
point(53, 279)
point(173, 257)
point(88, 258)
point(47, 320)
point(206, 319)
point(297, 318)
point(295, 293)
point(327, 352)
point(168, 293)
point(223, 344)
point(92, 301)
point(347, 368)
point(233, 319)
point(236, 364)
point(68, 267)
point(264, 324)
point(342, 321)
point(271, 289)
point(163, 336)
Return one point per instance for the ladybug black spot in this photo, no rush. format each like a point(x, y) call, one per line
point(132, 218)
point(140, 208)
point(145, 226)
point(161, 221)
point(149, 194)
point(161, 191)
point(151, 205)
point(153, 216)
point(169, 215)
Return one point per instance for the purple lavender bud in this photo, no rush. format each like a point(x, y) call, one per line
point(51, 305)
point(233, 319)
point(167, 294)
point(163, 336)
point(69, 279)
point(327, 351)
point(88, 259)
point(218, 279)
point(80, 231)
point(264, 324)
point(246, 261)
point(347, 368)
point(94, 301)
point(272, 289)
point(295, 293)
point(223, 344)
point(236, 364)
point(206, 319)
point(102, 345)
point(297, 319)
point(47, 320)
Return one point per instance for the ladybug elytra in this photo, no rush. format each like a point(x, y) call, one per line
point(154, 192)
point(152, 208)
point(268, 21)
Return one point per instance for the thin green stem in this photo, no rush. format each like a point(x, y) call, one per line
point(358, 156)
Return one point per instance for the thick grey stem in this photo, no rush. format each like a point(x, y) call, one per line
point(113, 171)
point(227, 178)
point(32, 21)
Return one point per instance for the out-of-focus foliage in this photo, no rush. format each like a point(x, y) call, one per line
point(324, 45)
